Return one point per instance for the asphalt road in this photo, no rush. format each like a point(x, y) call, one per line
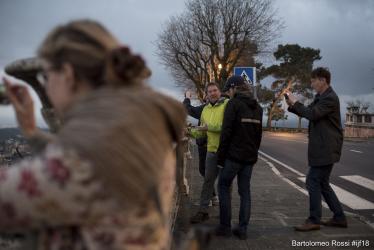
point(352, 177)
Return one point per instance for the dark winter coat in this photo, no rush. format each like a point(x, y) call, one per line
point(325, 129)
point(241, 130)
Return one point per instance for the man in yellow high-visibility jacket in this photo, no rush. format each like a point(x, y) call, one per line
point(211, 125)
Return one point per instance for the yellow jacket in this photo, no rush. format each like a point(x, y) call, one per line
point(212, 117)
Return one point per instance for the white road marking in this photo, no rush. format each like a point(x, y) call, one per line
point(359, 180)
point(276, 171)
point(351, 200)
point(281, 163)
point(356, 151)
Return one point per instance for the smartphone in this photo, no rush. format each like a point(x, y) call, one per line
point(4, 100)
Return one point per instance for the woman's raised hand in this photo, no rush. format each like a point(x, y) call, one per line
point(23, 104)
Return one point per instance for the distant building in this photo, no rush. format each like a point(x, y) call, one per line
point(358, 122)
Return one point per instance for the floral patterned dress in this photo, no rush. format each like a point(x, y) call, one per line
point(59, 195)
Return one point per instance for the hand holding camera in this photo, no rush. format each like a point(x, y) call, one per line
point(23, 105)
point(290, 98)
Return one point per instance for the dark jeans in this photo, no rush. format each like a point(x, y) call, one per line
point(226, 177)
point(318, 183)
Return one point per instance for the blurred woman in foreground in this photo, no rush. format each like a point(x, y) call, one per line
point(106, 180)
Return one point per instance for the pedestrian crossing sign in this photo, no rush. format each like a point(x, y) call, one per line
point(248, 73)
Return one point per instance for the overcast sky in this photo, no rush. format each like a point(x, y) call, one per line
point(342, 29)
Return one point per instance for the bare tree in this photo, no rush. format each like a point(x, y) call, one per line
point(365, 106)
point(350, 104)
point(358, 105)
point(211, 37)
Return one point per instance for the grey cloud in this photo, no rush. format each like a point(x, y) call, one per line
point(136, 23)
point(342, 29)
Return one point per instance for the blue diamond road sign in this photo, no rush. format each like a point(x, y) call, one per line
point(248, 73)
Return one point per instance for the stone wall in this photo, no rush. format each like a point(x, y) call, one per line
point(358, 131)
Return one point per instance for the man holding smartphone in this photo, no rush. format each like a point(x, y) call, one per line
point(324, 149)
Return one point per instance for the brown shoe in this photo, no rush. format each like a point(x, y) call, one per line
point(335, 223)
point(307, 226)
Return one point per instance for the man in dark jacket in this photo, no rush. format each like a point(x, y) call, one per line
point(240, 140)
point(324, 149)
